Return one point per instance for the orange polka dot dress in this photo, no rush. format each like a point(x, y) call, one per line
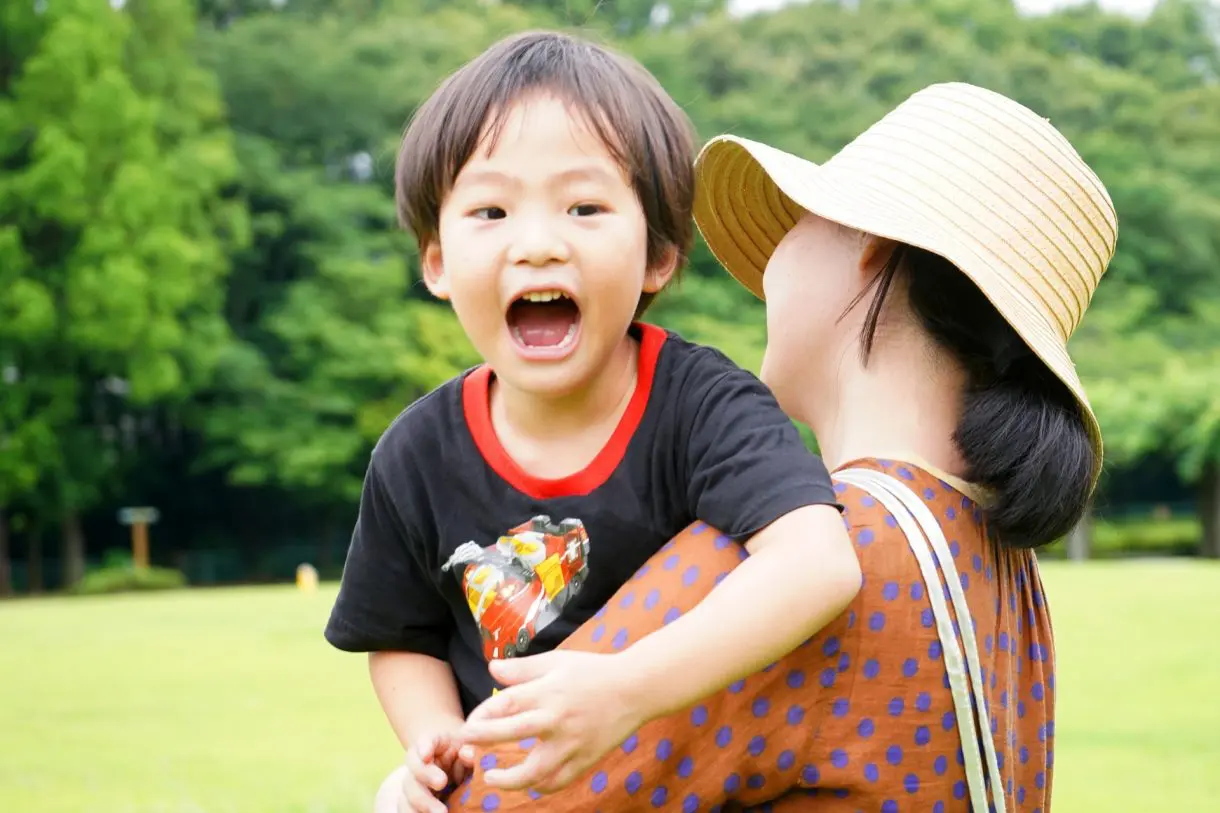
point(860, 717)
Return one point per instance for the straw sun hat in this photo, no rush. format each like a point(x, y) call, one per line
point(957, 170)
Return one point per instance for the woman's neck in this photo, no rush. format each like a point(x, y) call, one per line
point(905, 402)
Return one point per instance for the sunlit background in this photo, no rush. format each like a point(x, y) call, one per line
point(208, 315)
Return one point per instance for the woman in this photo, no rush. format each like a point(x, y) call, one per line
point(921, 288)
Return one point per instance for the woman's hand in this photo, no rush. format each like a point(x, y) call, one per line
point(576, 704)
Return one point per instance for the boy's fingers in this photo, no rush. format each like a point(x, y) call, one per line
point(426, 747)
point(415, 797)
point(415, 767)
point(420, 801)
point(435, 778)
point(466, 755)
point(447, 756)
point(425, 774)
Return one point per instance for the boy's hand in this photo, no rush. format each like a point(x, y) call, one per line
point(436, 764)
point(575, 703)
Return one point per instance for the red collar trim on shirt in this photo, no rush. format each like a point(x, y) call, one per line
point(477, 408)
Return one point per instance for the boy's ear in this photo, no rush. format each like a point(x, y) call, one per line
point(433, 268)
point(660, 272)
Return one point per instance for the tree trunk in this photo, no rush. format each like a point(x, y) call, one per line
point(34, 560)
point(73, 550)
point(1209, 510)
point(1078, 538)
point(6, 567)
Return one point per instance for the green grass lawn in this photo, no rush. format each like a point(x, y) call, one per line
point(229, 701)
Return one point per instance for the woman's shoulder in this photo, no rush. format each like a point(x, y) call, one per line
point(946, 497)
point(954, 505)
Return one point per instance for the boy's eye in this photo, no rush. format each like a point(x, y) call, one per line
point(586, 209)
point(489, 213)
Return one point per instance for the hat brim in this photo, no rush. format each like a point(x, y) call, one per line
point(749, 195)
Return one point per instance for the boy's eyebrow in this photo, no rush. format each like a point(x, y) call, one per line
point(487, 176)
point(495, 177)
point(591, 172)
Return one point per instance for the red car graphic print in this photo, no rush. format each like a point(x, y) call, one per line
point(521, 583)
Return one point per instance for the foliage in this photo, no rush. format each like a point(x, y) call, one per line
point(1129, 537)
point(118, 574)
point(127, 579)
point(205, 296)
point(335, 335)
point(1157, 386)
point(114, 240)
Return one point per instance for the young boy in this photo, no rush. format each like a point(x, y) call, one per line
point(549, 184)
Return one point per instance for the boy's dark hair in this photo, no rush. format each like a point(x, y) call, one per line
point(1021, 432)
point(640, 125)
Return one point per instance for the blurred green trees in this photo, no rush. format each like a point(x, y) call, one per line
point(205, 301)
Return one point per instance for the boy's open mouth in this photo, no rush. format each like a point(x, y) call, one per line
point(543, 319)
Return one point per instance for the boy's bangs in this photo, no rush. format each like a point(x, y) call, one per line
point(583, 111)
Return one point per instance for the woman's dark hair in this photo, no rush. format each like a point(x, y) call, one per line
point(1021, 431)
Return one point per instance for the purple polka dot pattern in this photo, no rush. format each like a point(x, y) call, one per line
point(872, 685)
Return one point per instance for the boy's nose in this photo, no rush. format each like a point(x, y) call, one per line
point(538, 243)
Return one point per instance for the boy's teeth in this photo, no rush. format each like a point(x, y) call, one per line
point(543, 296)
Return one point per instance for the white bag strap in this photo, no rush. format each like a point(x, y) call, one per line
point(922, 530)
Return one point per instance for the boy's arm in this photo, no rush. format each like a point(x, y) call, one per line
point(581, 705)
point(801, 574)
point(389, 607)
point(749, 476)
point(419, 696)
point(417, 692)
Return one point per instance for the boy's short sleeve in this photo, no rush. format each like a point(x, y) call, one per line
point(387, 600)
point(747, 464)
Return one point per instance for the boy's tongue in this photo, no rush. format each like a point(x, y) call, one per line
point(542, 324)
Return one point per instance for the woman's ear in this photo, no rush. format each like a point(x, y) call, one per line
point(875, 254)
point(433, 267)
point(662, 271)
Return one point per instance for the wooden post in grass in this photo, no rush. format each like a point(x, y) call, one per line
point(139, 519)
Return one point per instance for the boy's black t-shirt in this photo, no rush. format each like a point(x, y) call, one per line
point(450, 526)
